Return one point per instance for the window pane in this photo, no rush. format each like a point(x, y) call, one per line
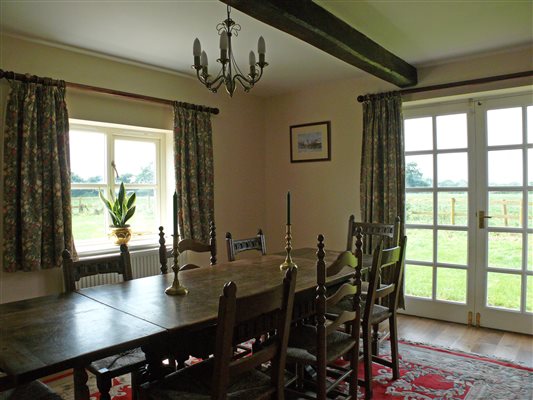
point(505, 168)
point(420, 246)
point(451, 284)
point(418, 280)
point(452, 247)
point(87, 156)
point(453, 208)
point(503, 290)
point(418, 134)
point(505, 250)
point(419, 171)
point(88, 217)
point(135, 161)
point(505, 209)
point(419, 208)
point(144, 220)
point(451, 131)
point(452, 170)
point(504, 126)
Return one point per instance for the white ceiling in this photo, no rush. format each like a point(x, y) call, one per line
point(160, 33)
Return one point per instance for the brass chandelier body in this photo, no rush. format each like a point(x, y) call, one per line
point(229, 73)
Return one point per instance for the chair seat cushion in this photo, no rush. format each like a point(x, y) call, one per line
point(118, 364)
point(303, 345)
point(32, 391)
point(194, 383)
point(379, 313)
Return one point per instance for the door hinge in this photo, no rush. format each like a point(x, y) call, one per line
point(478, 320)
point(469, 318)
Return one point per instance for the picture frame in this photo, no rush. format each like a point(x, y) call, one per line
point(310, 142)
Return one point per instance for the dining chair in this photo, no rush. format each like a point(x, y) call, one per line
point(320, 344)
point(110, 367)
point(235, 246)
point(374, 313)
point(224, 376)
point(373, 233)
point(199, 247)
point(164, 252)
point(35, 390)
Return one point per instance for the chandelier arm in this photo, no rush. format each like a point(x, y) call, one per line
point(245, 83)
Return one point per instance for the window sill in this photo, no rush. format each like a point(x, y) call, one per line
point(106, 247)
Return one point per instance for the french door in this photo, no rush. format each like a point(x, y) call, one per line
point(469, 212)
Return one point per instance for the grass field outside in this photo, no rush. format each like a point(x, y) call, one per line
point(504, 249)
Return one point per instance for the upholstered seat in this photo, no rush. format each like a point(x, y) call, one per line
point(35, 390)
point(195, 383)
point(304, 348)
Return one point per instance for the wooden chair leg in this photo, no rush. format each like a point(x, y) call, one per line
point(375, 340)
point(354, 364)
point(81, 391)
point(394, 347)
point(104, 386)
point(367, 354)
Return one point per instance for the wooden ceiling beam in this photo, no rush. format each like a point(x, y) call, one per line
point(318, 27)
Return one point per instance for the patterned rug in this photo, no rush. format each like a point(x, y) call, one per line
point(427, 373)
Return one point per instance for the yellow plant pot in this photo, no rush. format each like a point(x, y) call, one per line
point(121, 235)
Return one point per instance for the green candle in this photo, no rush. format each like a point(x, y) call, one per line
point(288, 208)
point(175, 213)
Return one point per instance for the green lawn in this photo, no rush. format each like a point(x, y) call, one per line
point(504, 251)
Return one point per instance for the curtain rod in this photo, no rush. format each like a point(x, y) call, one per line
point(496, 78)
point(35, 79)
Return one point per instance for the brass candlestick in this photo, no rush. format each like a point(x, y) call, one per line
point(176, 289)
point(288, 260)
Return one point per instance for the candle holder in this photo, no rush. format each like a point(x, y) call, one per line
point(288, 260)
point(176, 289)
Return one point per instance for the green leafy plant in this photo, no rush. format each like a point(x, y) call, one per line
point(121, 208)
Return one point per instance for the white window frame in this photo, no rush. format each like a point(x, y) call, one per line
point(115, 132)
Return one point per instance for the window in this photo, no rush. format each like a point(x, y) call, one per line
point(139, 157)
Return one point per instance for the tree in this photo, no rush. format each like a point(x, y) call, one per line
point(146, 175)
point(414, 177)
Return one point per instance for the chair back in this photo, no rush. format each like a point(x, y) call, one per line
point(394, 258)
point(199, 247)
point(276, 304)
point(373, 233)
point(235, 246)
point(73, 271)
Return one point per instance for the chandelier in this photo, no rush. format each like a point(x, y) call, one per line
point(229, 73)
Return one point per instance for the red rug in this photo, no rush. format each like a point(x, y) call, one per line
point(427, 373)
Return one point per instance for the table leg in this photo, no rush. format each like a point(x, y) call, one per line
point(81, 390)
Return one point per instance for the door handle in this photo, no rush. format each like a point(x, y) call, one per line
point(481, 219)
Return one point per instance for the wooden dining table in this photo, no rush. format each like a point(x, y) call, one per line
point(49, 334)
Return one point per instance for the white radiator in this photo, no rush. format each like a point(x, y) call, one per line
point(143, 263)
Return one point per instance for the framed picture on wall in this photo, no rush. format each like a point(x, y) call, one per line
point(311, 142)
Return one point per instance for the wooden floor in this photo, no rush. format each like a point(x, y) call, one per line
point(510, 346)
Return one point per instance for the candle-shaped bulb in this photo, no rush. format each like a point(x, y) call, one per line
point(204, 59)
point(224, 41)
point(261, 47)
point(196, 48)
point(251, 59)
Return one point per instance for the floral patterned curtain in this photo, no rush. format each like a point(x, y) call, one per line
point(37, 205)
point(382, 162)
point(193, 160)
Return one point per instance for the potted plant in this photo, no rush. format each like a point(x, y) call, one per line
point(121, 209)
